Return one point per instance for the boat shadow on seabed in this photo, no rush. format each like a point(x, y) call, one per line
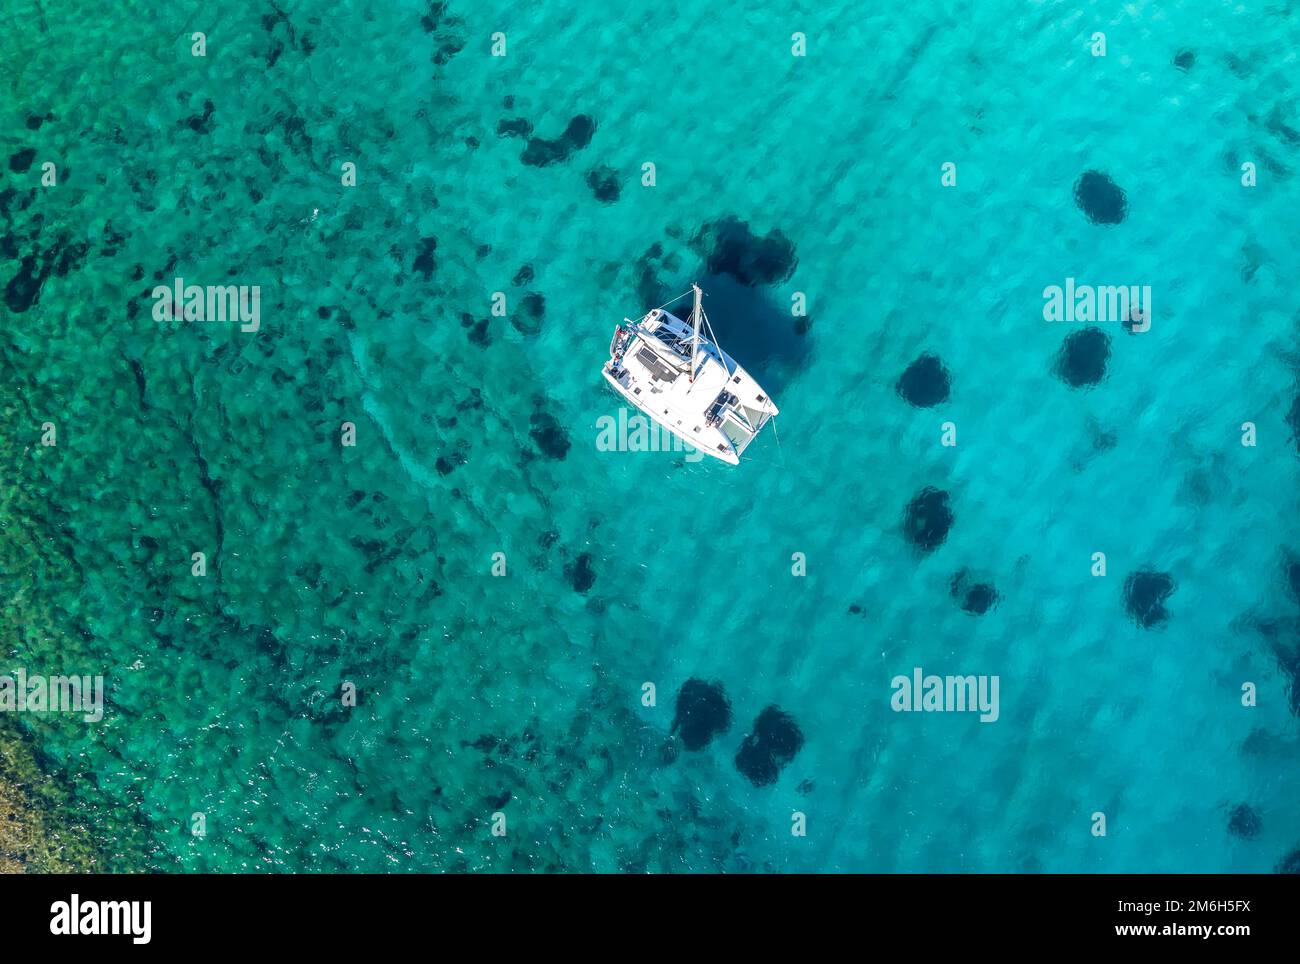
point(751, 326)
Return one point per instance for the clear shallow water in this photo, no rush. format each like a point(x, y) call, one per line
point(522, 695)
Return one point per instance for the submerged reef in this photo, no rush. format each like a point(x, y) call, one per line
point(22, 159)
point(447, 30)
point(1100, 199)
point(202, 123)
point(1244, 822)
point(925, 383)
point(927, 519)
point(42, 831)
point(651, 288)
point(477, 329)
point(581, 573)
point(425, 261)
point(1184, 59)
point(771, 745)
point(975, 596)
point(729, 247)
point(1292, 567)
point(1081, 362)
point(24, 288)
point(543, 152)
point(532, 312)
point(1288, 661)
point(603, 181)
point(549, 435)
point(703, 712)
point(1145, 592)
point(1290, 864)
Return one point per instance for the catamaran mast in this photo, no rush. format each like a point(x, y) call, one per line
point(696, 315)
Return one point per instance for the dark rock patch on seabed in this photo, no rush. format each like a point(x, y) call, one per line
point(1293, 577)
point(113, 241)
point(1100, 199)
point(1081, 362)
point(581, 573)
point(1293, 419)
point(925, 383)
point(433, 15)
point(1244, 822)
point(703, 712)
point(202, 123)
point(771, 745)
point(729, 247)
point(651, 290)
point(975, 596)
point(1288, 661)
point(448, 47)
point(603, 181)
point(1290, 864)
point(436, 21)
point(11, 203)
point(980, 598)
point(478, 333)
point(68, 256)
point(295, 133)
point(532, 311)
point(21, 160)
point(523, 276)
point(24, 288)
point(543, 152)
point(1184, 59)
point(549, 435)
point(1145, 592)
point(927, 519)
point(425, 261)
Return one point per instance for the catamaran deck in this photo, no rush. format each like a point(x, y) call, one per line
point(715, 405)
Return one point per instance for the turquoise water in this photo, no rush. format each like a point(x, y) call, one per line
point(521, 695)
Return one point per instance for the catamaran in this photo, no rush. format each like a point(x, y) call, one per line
point(682, 380)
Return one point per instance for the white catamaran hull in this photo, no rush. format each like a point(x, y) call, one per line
point(683, 381)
